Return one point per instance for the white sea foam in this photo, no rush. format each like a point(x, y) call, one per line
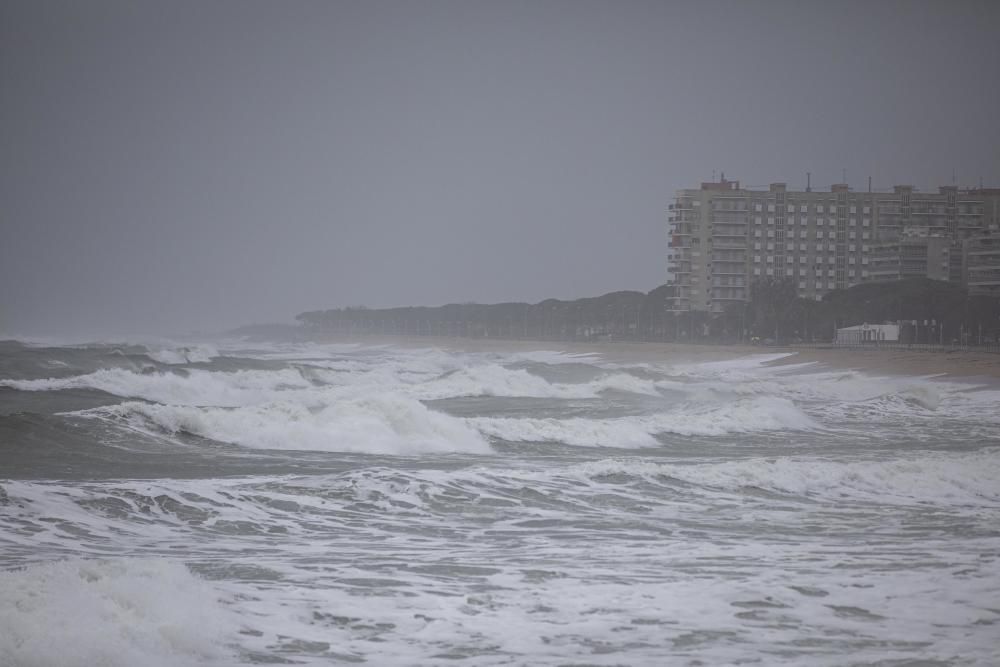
point(194, 387)
point(378, 424)
point(496, 380)
point(746, 416)
point(947, 479)
point(122, 612)
point(191, 354)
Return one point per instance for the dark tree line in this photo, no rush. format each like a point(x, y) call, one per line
point(943, 312)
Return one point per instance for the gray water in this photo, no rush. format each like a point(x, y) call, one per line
point(238, 503)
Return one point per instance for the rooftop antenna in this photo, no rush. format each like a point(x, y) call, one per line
point(869, 184)
point(722, 177)
point(808, 182)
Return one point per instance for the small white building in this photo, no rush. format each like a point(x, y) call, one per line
point(868, 334)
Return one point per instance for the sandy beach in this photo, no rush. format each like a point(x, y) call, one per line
point(954, 364)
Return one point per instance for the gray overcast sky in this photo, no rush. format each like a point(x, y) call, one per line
point(166, 166)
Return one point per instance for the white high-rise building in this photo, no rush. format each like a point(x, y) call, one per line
point(722, 237)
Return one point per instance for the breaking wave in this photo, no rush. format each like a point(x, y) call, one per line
point(950, 479)
point(766, 413)
point(377, 424)
point(122, 612)
point(192, 387)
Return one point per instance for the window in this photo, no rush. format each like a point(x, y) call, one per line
point(802, 284)
point(802, 246)
point(757, 233)
point(802, 259)
point(803, 234)
point(853, 235)
point(756, 271)
point(852, 247)
point(864, 260)
point(770, 246)
point(770, 259)
point(770, 233)
point(866, 235)
point(819, 208)
point(831, 285)
point(756, 259)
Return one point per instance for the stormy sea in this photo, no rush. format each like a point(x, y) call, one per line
point(244, 503)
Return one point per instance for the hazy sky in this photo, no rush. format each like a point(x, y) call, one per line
point(168, 166)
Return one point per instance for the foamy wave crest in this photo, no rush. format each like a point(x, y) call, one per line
point(81, 613)
point(972, 478)
point(194, 387)
point(378, 424)
point(726, 367)
point(496, 380)
point(625, 432)
point(761, 414)
point(194, 354)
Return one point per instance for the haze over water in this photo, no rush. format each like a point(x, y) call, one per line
point(243, 503)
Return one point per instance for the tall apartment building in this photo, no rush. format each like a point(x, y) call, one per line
point(722, 237)
point(982, 263)
point(917, 256)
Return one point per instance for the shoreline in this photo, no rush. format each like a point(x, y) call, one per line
point(954, 364)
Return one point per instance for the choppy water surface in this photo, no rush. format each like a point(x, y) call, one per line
point(326, 504)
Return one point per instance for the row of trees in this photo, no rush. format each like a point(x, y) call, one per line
point(943, 312)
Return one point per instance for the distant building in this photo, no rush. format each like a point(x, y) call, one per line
point(981, 263)
point(721, 237)
point(868, 333)
point(914, 257)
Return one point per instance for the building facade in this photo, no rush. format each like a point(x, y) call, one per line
point(916, 257)
point(722, 237)
point(981, 263)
